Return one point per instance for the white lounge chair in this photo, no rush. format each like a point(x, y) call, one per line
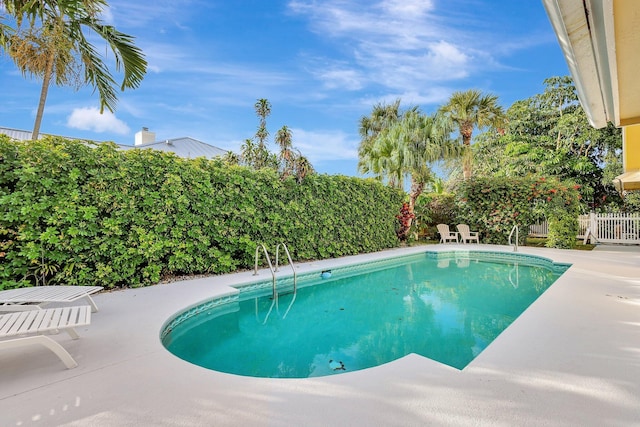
point(466, 235)
point(37, 297)
point(445, 234)
point(25, 328)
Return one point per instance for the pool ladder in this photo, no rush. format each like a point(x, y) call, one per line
point(515, 245)
point(273, 268)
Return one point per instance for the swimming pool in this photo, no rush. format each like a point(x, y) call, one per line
point(447, 306)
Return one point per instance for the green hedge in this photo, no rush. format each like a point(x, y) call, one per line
point(73, 213)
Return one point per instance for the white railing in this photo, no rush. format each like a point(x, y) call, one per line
point(539, 230)
point(584, 224)
point(617, 227)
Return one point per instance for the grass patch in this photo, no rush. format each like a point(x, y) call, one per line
point(540, 242)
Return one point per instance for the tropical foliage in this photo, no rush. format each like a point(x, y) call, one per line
point(395, 145)
point(548, 134)
point(469, 110)
point(48, 42)
point(494, 206)
point(76, 214)
point(434, 208)
point(255, 153)
point(373, 158)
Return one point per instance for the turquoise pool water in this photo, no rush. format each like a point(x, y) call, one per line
point(444, 306)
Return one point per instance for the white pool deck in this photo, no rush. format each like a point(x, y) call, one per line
point(571, 359)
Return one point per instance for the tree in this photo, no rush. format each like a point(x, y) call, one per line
point(289, 161)
point(261, 155)
point(468, 110)
point(49, 43)
point(382, 117)
point(419, 140)
point(247, 152)
point(263, 110)
point(302, 167)
point(549, 134)
point(286, 157)
point(436, 186)
point(396, 145)
point(231, 158)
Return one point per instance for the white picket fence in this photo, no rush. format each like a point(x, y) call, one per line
point(601, 228)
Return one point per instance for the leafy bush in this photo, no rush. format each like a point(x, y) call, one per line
point(563, 230)
point(494, 205)
point(432, 209)
point(73, 213)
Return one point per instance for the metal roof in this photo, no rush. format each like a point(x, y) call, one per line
point(23, 135)
point(185, 147)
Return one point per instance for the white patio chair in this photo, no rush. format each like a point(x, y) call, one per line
point(466, 235)
point(445, 234)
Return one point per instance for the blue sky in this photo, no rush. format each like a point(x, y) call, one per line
point(322, 64)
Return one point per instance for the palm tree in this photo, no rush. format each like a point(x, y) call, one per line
point(420, 141)
point(286, 157)
point(383, 161)
point(59, 49)
point(436, 186)
point(261, 154)
point(248, 152)
point(468, 110)
point(263, 110)
point(302, 167)
point(231, 158)
point(394, 148)
point(382, 116)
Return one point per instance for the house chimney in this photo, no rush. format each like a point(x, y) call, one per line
point(145, 137)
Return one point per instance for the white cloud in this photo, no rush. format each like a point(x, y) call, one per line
point(315, 145)
point(448, 59)
point(325, 145)
point(91, 119)
point(398, 44)
point(106, 16)
point(407, 7)
point(434, 95)
point(340, 78)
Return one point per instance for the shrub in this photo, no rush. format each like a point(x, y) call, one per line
point(432, 209)
point(563, 230)
point(494, 205)
point(80, 214)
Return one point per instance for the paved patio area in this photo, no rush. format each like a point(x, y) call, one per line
point(571, 359)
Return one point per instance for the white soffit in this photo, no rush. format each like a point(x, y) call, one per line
point(600, 40)
point(569, 21)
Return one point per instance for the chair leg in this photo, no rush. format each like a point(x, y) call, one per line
point(94, 307)
point(59, 351)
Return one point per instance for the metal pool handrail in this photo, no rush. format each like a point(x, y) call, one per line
point(272, 269)
point(273, 272)
point(515, 246)
point(286, 250)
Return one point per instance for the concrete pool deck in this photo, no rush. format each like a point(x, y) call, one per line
point(571, 359)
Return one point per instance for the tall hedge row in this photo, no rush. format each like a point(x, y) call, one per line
point(71, 213)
